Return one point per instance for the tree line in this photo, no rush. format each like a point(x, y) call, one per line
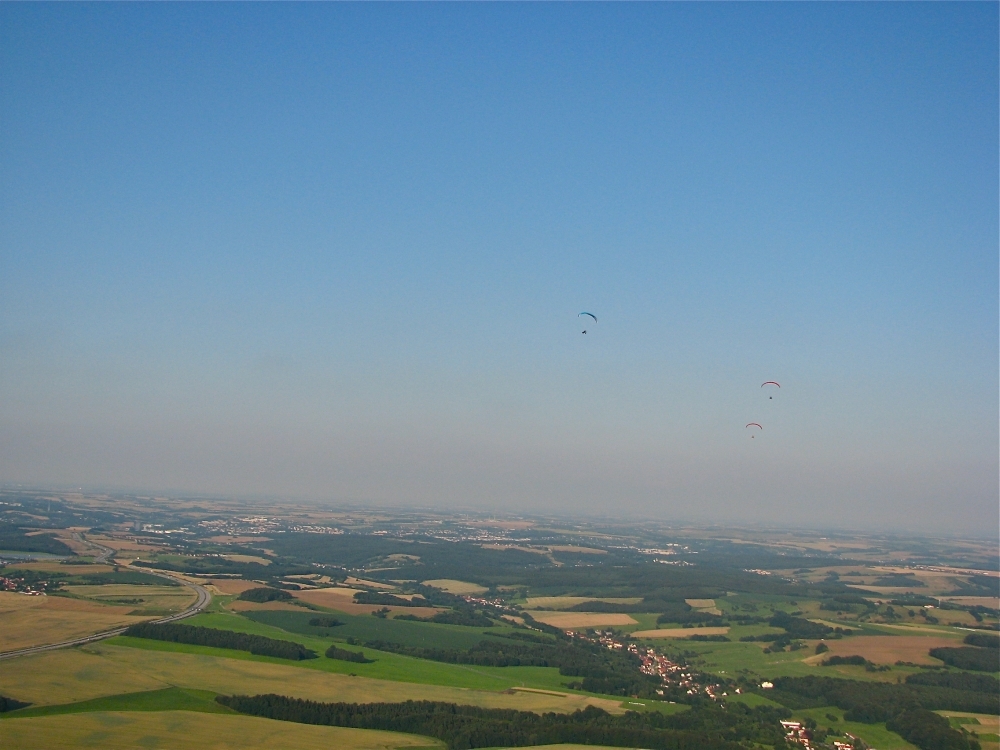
point(969, 657)
point(928, 731)
point(389, 600)
point(983, 640)
point(15, 538)
point(977, 683)
point(603, 671)
point(342, 654)
point(197, 636)
point(705, 727)
point(872, 702)
point(264, 594)
point(469, 619)
point(10, 704)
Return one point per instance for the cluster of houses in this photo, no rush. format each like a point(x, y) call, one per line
point(480, 601)
point(243, 526)
point(797, 734)
point(18, 585)
point(672, 674)
point(655, 664)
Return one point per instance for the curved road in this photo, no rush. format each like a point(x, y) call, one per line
point(203, 600)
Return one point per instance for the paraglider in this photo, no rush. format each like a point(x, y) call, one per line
point(587, 313)
point(754, 424)
point(770, 382)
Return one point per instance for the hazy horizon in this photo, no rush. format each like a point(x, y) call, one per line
point(337, 252)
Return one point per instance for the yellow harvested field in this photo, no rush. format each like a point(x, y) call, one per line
point(71, 675)
point(342, 601)
point(581, 619)
point(352, 581)
point(565, 602)
point(678, 632)
point(230, 586)
point(125, 545)
point(886, 649)
point(125, 730)
point(172, 598)
point(988, 724)
point(347, 594)
point(943, 631)
point(701, 603)
point(37, 620)
point(66, 537)
point(456, 587)
point(104, 669)
point(248, 559)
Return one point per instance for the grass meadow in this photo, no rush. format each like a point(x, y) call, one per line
point(106, 669)
point(192, 730)
point(366, 627)
point(875, 735)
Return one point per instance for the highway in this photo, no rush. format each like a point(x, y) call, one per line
point(203, 600)
point(105, 552)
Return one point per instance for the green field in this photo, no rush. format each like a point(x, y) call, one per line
point(875, 735)
point(387, 666)
point(192, 730)
point(366, 627)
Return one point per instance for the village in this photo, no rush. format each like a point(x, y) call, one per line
point(674, 675)
point(21, 586)
point(671, 674)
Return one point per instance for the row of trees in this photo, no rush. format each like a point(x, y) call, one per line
point(603, 671)
point(983, 640)
point(13, 537)
point(373, 597)
point(470, 619)
point(703, 728)
point(977, 683)
point(10, 704)
point(344, 655)
point(969, 657)
point(196, 636)
point(928, 731)
point(264, 594)
point(872, 702)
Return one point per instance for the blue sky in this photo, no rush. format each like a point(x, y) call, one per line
point(337, 251)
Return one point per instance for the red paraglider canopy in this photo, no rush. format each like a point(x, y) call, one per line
point(770, 382)
point(754, 424)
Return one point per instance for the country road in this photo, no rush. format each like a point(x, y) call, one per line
point(203, 600)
